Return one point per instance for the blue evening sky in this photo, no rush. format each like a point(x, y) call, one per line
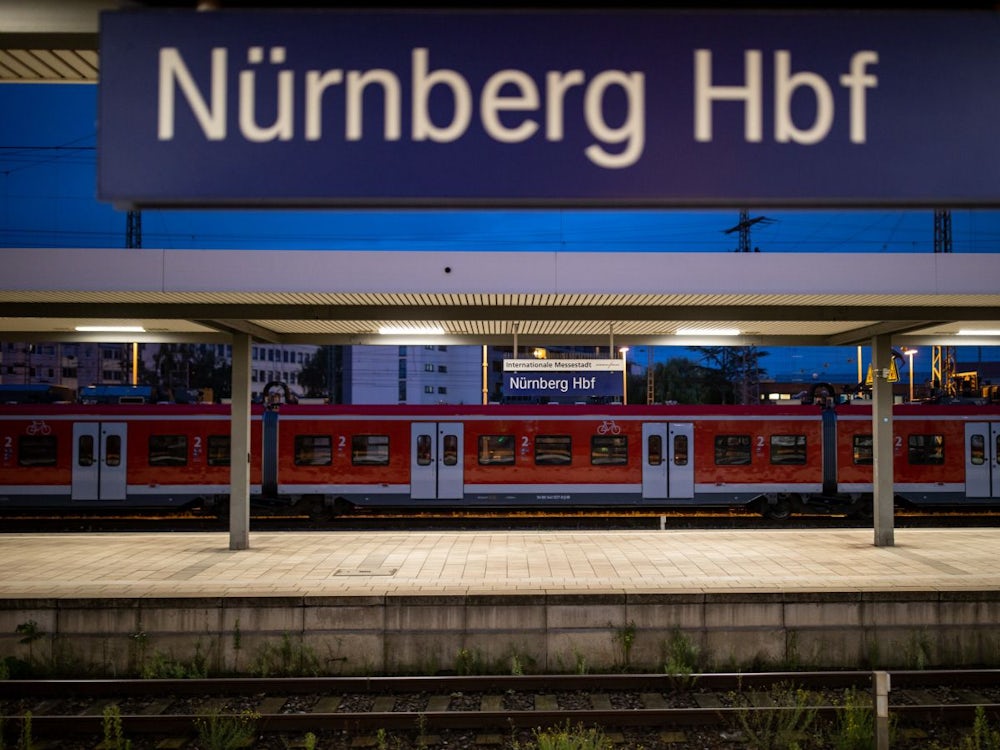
point(48, 199)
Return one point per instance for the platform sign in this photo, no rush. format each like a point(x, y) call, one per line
point(563, 380)
point(564, 365)
point(315, 107)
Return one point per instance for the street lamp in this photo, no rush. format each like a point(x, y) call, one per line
point(909, 353)
point(624, 351)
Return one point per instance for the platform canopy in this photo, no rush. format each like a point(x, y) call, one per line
point(315, 297)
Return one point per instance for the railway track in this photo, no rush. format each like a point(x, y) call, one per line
point(712, 709)
point(478, 520)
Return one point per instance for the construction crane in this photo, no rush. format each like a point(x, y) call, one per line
point(650, 390)
point(133, 239)
point(943, 357)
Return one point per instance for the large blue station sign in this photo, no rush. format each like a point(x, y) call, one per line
point(640, 108)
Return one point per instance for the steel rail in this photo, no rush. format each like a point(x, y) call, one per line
point(714, 681)
point(100, 691)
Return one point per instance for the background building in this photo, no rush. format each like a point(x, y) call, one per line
point(437, 374)
point(70, 365)
point(411, 374)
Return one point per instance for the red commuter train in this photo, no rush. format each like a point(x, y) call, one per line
point(776, 459)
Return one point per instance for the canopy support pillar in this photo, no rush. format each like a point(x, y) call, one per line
point(882, 435)
point(239, 468)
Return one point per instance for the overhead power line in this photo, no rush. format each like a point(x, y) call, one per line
point(743, 227)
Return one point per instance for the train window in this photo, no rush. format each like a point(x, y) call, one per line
point(424, 454)
point(680, 450)
point(788, 449)
point(863, 453)
point(370, 450)
point(926, 450)
point(219, 450)
point(496, 449)
point(313, 450)
point(732, 450)
point(168, 450)
point(654, 450)
point(36, 450)
point(85, 451)
point(606, 450)
point(113, 450)
point(977, 450)
point(553, 450)
point(449, 450)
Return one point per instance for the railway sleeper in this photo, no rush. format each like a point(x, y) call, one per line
point(916, 700)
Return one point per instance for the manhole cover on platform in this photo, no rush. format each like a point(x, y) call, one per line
point(365, 571)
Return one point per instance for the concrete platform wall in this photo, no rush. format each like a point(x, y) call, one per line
point(352, 635)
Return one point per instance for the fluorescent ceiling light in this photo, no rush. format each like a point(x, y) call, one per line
point(411, 331)
point(112, 329)
point(708, 331)
point(983, 332)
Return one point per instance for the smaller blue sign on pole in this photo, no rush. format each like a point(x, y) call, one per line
point(562, 387)
point(563, 380)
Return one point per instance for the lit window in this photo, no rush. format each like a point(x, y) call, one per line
point(788, 449)
point(732, 450)
point(608, 450)
point(370, 450)
point(553, 450)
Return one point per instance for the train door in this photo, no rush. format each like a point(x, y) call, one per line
point(667, 460)
point(436, 461)
point(654, 461)
point(982, 459)
point(99, 461)
point(681, 457)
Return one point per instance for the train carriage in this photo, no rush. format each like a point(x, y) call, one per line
point(78, 456)
point(547, 456)
point(942, 454)
point(771, 456)
point(776, 459)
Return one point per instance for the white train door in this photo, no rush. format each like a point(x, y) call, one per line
point(99, 461)
point(681, 457)
point(436, 461)
point(667, 461)
point(982, 459)
point(654, 461)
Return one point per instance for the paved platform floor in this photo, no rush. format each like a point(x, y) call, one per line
point(477, 562)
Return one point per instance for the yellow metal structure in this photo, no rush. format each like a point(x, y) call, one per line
point(943, 369)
